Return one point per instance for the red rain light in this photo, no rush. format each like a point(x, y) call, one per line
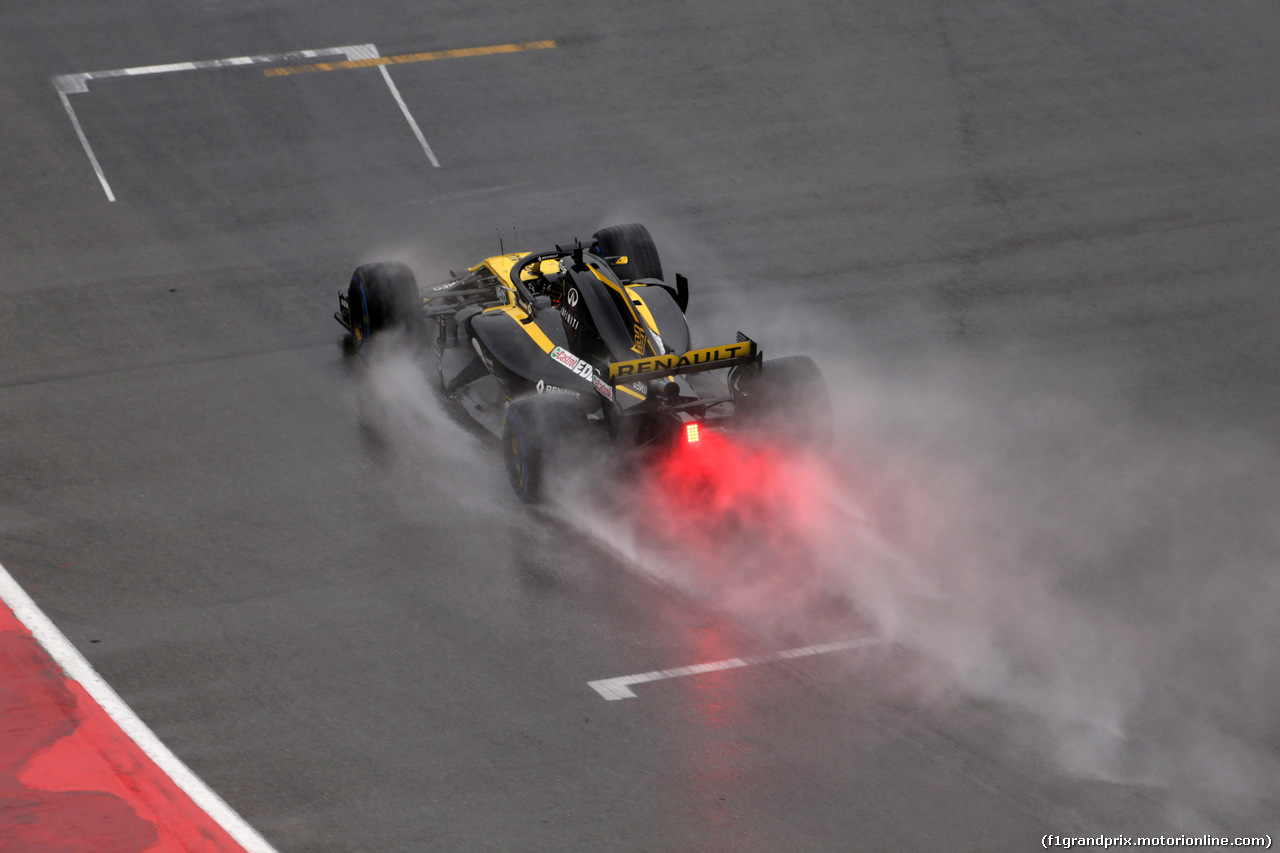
point(746, 518)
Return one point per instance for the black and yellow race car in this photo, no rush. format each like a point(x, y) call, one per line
point(562, 349)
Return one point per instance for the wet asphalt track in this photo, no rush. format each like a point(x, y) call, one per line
point(370, 650)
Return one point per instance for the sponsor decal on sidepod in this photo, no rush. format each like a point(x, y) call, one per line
point(583, 369)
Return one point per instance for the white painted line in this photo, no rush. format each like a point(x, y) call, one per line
point(84, 140)
point(357, 52)
point(395, 93)
point(73, 84)
point(614, 689)
point(76, 667)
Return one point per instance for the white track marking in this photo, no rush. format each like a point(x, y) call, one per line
point(84, 140)
point(395, 93)
point(76, 667)
point(613, 689)
point(74, 84)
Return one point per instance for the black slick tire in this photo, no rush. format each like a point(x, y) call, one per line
point(633, 242)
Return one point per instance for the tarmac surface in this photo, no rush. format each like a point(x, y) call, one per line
point(1032, 244)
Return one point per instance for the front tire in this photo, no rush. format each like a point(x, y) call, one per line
point(633, 242)
point(383, 296)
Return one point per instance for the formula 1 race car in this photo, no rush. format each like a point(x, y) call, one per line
point(559, 350)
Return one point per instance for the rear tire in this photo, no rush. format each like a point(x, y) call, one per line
point(634, 242)
point(541, 435)
point(787, 399)
point(383, 296)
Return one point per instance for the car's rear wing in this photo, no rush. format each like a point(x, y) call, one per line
point(744, 351)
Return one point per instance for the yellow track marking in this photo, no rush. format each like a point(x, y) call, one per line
point(458, 53)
